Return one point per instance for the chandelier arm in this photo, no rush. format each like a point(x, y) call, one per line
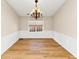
point(36, 12)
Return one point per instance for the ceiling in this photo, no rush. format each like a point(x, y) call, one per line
point(48, 7)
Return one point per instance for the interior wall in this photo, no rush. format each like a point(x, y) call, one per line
point(23, 22)
point(65, 19)
point(9, 26)
point(9, 19)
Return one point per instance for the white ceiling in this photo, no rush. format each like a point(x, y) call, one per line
point(48, 7)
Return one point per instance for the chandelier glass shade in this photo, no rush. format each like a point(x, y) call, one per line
point(36, 12)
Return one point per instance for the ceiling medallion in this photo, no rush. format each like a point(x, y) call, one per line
point(36, 13)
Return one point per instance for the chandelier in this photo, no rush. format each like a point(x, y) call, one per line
point(36, 13)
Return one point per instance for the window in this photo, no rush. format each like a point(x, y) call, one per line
point(35, 26)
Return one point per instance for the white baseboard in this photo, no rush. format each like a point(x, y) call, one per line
point(44, 34)
point(8, 41)
point(65, 41)
point(69, 43)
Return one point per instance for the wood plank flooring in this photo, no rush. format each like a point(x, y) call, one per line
point(37, 49)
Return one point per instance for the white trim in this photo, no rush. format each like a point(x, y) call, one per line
point(69, 43)
point(43, 34)
point(8, 41)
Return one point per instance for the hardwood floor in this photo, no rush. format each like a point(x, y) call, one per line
point(37, 49)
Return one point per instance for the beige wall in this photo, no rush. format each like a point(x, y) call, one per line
point(9, 19)
point(24, 21)
point(48, 23)
point(65, 19)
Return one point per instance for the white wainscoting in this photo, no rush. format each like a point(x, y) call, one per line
point(43, 34)
point(65, 41)
point(8, 41)
point(69, 43)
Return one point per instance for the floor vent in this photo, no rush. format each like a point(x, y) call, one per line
point(20, 38)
